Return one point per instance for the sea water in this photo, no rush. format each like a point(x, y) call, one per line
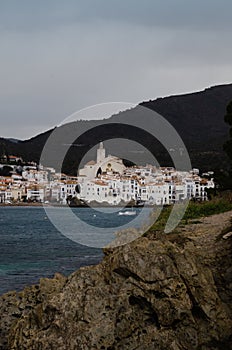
point(32, 247)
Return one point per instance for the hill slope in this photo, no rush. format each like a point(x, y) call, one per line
point(197, 117)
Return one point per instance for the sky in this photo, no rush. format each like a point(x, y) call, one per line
point(58, 57)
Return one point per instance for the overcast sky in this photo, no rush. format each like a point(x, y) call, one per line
point(60, 56)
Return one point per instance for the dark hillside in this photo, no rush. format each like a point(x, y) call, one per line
point(197, 117)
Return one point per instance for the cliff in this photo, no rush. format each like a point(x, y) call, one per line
point(159, 292)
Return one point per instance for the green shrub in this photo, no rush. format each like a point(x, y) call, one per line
point(217, 205)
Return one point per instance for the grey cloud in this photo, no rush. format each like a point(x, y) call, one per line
point(43, 15)
point(58, 59)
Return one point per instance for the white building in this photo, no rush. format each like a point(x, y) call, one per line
point(35, 194)
point(106, 180)
point(39, 176)
point(154, 186)
point(103, 164)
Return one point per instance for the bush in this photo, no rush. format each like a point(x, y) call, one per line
point(195, 210)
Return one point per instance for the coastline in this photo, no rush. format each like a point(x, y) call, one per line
point(23, 205)
point(166, 282)
point(90, 206)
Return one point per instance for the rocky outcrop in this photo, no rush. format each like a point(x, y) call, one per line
point(158, 292)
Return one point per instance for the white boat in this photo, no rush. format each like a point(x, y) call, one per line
point(127, 212)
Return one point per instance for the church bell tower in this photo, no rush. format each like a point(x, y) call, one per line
point(101, 153)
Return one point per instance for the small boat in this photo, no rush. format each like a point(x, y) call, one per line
point(127, 212)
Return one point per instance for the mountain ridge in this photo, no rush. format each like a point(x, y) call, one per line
point(198, 117)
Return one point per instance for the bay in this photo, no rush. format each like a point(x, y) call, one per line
point(31, 247)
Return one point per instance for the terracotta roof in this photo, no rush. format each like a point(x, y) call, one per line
point(91, 162)
point(101, 183)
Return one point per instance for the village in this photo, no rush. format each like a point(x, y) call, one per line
point(104, 181)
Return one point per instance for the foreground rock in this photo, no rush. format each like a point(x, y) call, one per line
point(158, 292)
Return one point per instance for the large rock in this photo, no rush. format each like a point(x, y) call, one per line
point(157, 292)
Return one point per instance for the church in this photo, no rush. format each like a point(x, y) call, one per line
point(103, 165)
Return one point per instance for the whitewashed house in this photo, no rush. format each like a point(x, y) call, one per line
point(35, 194)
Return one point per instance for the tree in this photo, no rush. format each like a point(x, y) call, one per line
point(6, 170)
point(225, 177)
point(228, 119)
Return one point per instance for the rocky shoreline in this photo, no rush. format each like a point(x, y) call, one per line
point(158, 292)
